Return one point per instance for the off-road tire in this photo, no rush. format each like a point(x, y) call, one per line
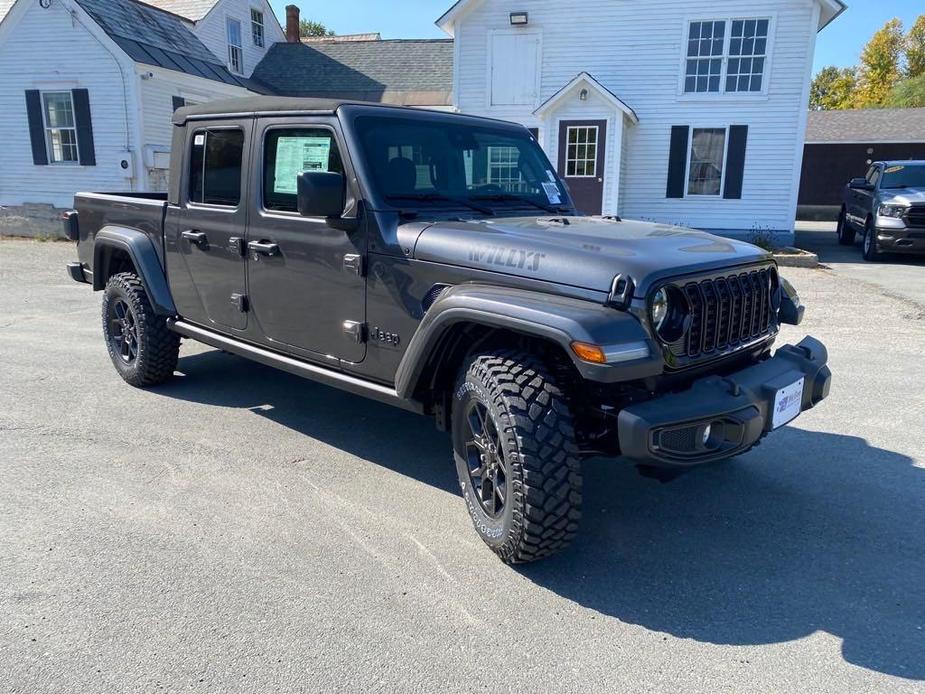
point(158, 348)
point(871, 253)
point(540, 455)
point(846, 234)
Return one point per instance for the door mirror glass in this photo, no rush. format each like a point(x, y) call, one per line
point(321, 194)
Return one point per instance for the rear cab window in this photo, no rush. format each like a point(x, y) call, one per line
point(216, 162)
point(289, 152)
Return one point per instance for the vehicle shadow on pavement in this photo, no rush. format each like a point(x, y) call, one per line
point(830, 252)
point(809, 532)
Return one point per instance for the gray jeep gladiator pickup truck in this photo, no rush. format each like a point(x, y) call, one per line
point(436, 262)
point(887, 206)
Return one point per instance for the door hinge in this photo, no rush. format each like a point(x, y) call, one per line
point(237, 246)
point(353, 264)
point(355, 331)
point(240, 302)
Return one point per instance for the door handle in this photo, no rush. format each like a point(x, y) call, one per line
point(266, 248)
point(197, 238)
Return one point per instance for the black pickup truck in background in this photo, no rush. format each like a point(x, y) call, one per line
point(886, 206)
point(376, 249)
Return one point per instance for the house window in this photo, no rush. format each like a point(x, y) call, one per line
point(235, 47)
point(504, 167)
point(257, 27)
point(581, 157)
point(215, 167)
point(60, 127)
point(707, 159)
point(726, 56)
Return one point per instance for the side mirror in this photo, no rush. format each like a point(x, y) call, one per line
point(860, 184)
point(321, 194)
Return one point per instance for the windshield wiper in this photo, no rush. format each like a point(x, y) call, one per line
point(438, 197)
point(509, 197)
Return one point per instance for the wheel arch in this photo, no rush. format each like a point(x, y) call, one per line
point(121, 249)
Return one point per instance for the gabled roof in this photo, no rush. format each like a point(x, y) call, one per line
point(585, 79)
point(408, 72)
point(830, 10)
point(152, 36)
point(193, 10)
point(870, 125)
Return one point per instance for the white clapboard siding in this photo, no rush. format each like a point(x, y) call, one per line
point(48, 50)
point(635, 49)
point(211, 30)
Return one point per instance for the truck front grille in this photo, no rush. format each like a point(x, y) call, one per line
point(915, 217)
point(727, 312)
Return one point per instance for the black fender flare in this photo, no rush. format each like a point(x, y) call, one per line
point(144, 256)
point(558, 319)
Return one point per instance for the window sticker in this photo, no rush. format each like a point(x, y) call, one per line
point(199, 140)
point(297, 154)
point(551, 176)
point(894, 169)
point(552, 193)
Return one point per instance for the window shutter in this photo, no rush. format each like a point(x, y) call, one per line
point(85, 148)
point(677, 161)
point(735, 162)
point(36, 127)
point(178, 103)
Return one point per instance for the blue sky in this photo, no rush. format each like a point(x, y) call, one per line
point(839, 44)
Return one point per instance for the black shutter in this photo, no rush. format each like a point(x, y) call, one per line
point(677, 161)
point(178, 102)
point(36, 127)
point(85, 148)
point(735, 162)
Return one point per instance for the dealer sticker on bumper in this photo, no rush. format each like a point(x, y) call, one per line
point(788, 404)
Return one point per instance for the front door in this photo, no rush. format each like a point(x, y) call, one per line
point(306, 280)
point(582, 152)
point(205, 261)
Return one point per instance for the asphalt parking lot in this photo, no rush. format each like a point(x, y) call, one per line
point(242, 530)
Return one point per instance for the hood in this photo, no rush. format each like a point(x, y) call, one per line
point(582, 252)
point(903, 196)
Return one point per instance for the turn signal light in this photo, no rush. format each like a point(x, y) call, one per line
point(590, 353)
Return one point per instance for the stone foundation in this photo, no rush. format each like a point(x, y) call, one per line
point(32, 220)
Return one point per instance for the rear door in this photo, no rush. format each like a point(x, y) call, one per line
point(205, 239)
point(306, 279)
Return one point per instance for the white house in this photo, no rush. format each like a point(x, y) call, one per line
point(88, 87)
point(683, 111)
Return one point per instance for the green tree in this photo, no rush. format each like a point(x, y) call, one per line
point(833, 88)
point(915, 48)
point(910, 93)
point(879, 71)
point(307, 27)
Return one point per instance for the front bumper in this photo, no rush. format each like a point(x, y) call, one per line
point(908, 240)
point(738, 409)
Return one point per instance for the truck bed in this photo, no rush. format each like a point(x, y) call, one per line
point(142, 211)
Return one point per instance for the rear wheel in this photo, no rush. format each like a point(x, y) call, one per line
point(516, 456)
point(845, 233)
point(142, 349)
point(871, 251)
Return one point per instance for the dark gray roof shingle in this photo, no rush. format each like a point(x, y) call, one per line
point(153, 37)
point(867, 125)
point(409, 72)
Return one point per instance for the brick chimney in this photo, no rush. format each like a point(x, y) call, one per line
point(292, 24)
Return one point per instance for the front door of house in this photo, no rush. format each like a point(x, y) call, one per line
point(582, 153)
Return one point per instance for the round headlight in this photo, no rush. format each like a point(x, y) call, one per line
point(669, 312)
point(660, 308)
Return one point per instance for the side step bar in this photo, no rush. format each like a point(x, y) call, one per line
point(312, 372)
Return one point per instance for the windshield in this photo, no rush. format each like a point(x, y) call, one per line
point(904, 176)
point(437, 163)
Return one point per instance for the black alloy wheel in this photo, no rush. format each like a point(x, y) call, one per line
point(487, 469)
point(123, 331)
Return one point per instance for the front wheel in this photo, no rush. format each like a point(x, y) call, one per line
point(845, 232)
point(143, 350)
point(871, 251)
point(516, 456)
